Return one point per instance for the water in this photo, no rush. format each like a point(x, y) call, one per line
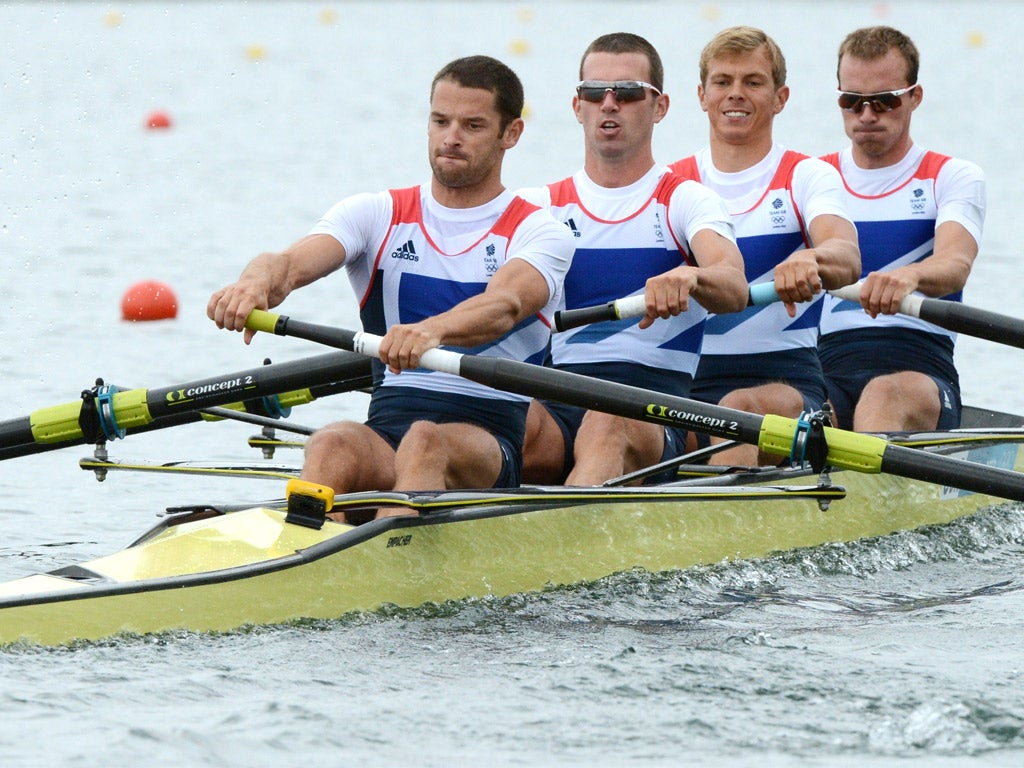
point(904, 650)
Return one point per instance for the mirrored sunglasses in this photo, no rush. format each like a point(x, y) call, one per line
point(886, 101)
point(623, 90)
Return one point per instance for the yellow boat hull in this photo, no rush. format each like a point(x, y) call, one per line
point(215, 571)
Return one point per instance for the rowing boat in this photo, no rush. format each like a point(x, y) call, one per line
point(218, 567)
point(212, 568)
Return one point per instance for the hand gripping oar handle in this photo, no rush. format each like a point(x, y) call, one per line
point(951, 315)
point(771, 434)
point(636, 306)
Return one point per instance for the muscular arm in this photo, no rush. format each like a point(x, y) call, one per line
point(942, 273)
point(832, 262)
point(719, 283)
point(516, 291)
point(268, 279)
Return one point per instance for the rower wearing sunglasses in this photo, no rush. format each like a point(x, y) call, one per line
point(638, 231)
point(920, 216)
point(791, 226)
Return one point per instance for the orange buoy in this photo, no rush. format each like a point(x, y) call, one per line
point(149, 300)
point(158, 120)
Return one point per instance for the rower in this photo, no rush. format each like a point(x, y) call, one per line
point(459, 261)
point(791, 226)
point(639, 231)
point(920, 217)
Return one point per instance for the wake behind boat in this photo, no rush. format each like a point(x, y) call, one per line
point(217, 568)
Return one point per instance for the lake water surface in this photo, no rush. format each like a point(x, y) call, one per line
point(903, 650)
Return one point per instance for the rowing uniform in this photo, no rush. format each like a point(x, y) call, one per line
point(897, 210)
point(771, 204)
point(409, 258)
point(624, 236)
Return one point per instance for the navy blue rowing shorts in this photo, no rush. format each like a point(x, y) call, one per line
point(569, 417)
point(852, 358)
point(393, 410)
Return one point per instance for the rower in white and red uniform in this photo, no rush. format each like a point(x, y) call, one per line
point(792, 229)
point(639, 231)
point(919, 215)
point(459, 262)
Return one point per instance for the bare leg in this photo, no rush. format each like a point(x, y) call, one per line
point(775, 398)
point(608, 446)
point(543, 448)
point(438, 456)
point(897, 402)
point(349, 456)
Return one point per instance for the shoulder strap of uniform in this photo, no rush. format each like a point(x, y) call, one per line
point(666, 186)
point(687, 168)
point(930, 165)
point(784, 173)
point(563, 192)
point(405, 205)
point(832, 159)
point(512, 217)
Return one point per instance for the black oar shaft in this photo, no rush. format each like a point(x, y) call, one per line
point(955, 473)
point(136, 410)
point(971, 321)
point(611, 397)
point(771, 434)
point(573, 389)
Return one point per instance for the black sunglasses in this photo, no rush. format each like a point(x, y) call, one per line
point(623, 90)
point(886, 101)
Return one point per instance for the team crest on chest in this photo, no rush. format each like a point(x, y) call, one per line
point(490, 259)
point(778, 213)
point(918, 201)
point(659, 232)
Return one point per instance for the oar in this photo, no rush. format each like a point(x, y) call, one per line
point(129, 411)
point(635, 306)
point(951, 315)
point(772, 434)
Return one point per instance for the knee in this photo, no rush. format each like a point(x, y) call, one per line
point(905, 386)
point(886, 388)
point(423, 438)
point(741, 400)
point(330, 442)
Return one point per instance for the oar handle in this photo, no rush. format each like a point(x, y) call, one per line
point(620, 309)
point(636, 306)
point(368, 344)
point(910, 306)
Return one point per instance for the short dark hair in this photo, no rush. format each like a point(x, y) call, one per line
point(744, 40)
point(490, 75)
point(870, 43)
point(626, 42)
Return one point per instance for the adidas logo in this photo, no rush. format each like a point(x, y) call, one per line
point(407, 252)
point(572, 228)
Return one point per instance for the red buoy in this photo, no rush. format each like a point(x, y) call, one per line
point(158, 120)
point(149, 300)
